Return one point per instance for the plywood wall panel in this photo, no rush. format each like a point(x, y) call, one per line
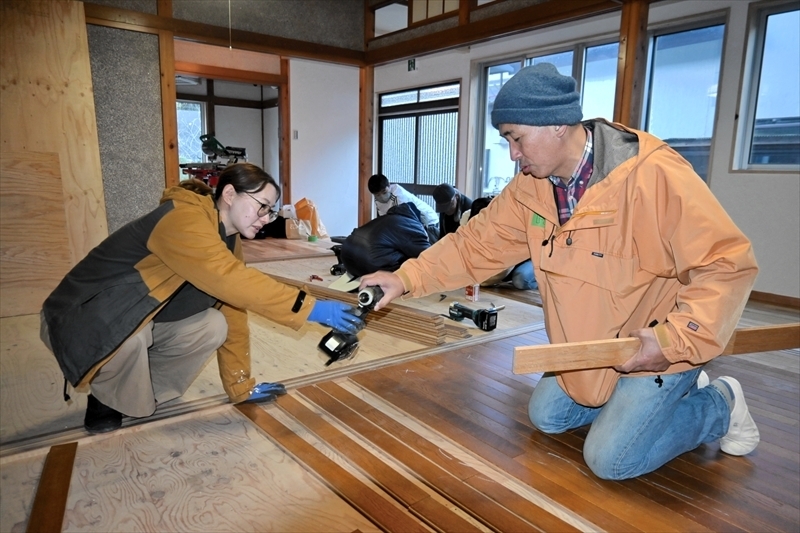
point(34, 246)
point(47, 105)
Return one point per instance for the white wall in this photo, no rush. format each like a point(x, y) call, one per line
point(324, 112)
point(272, 143)
point(766, 206)
point(240, 127)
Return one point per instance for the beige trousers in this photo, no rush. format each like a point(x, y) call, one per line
point(159, 363)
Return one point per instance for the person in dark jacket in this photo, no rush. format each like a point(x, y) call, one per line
point(451, 205)
point(139, 316)
point(384, 243)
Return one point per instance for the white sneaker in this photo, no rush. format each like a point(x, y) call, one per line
point(742, 437)
point(702, 379)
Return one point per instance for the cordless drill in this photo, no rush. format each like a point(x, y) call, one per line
point(340, 345)
point(485, 319)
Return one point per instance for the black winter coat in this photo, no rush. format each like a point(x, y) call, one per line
point(384, 243)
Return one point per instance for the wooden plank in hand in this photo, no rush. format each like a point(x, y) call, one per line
point(613, 352)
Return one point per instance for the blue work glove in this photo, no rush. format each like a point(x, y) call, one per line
point(265, 392)
point(337, 315)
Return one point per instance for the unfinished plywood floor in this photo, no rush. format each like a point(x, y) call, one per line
point(262, 250)
point(33, 412)
point(440, 443)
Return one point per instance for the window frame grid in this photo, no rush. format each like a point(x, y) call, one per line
point(750, 84)
point(416, 110)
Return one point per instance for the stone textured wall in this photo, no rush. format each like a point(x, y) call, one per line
point(330, 22)
point(142, 6)
point(127, 97)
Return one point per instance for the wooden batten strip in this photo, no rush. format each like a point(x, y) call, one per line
point(613, 352)
point(372, 505)
point(402, 489)
point(412, 324)
point(446, 475)
point(47, 513)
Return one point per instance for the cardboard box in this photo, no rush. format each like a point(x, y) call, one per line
point(473, 293)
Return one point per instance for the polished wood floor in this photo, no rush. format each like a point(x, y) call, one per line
point(470, 398)
point(440, 443)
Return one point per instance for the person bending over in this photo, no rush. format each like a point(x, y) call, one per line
point(384, 243)
point(388, 195)
point(140, 315)
point(451, 205)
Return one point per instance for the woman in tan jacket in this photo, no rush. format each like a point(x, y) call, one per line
point(140, 315)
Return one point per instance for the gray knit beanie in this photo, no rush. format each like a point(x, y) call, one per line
point(538, 95)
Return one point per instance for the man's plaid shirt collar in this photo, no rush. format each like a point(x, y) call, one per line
point(568, 196)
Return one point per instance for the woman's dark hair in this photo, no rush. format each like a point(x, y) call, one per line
point(245, 177)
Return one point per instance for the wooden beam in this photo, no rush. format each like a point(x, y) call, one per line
point(613, 352)
point(285, 129)
point(775, 299)
point(164, 8)
point(47, 512)
point(366, 107)
point(631, 63)
point(222, 73)
point(169, 112)
point(464, 7)
point(528, 18)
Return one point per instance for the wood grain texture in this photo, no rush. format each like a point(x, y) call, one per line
point(169, 113)
point(19, 478)
point(269, 249)
point(486, 500)
point(611, 352)
point(459, 412)
point(34, 246)
point(47, 513)
point(631, 62)
point(210, 473)
point(372, 504)
point(48, 106)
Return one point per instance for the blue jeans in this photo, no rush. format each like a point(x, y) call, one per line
point(641, 427)
point(522, 276)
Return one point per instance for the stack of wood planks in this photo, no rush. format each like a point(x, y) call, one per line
point(416, 325)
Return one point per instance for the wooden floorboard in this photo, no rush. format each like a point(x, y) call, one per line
point(419, 455)
point(47, 513)
point(437, 443)
point(363, 498)
point(465, 392)
point(401, 488)
point(490, 421)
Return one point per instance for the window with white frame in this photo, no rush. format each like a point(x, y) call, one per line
point(681, 90)
point(191, 125)
point(418, 137)
point(769, 131)
point(596, 74)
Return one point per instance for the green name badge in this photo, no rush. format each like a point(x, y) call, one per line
point(537, 220)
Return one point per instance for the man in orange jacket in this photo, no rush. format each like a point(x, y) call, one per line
point(626, 240)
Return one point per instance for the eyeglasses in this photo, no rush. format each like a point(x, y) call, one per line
point(264, 209)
